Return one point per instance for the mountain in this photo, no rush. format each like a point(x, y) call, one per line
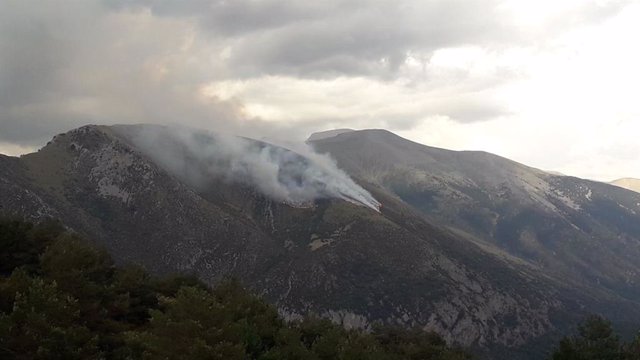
point(62, 298)
point(487, 252)
point(577, 229)
point(327, 134)
point(628, 183)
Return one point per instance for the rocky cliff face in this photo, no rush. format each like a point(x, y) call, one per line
point(330, 256)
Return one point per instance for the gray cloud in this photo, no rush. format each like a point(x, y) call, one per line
point(66, 66)
point(332, 38)
point(340, 37)
point(142, 61)
point(239, 17)
point(346, 37)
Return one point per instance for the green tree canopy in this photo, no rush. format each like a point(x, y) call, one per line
point(596, 340)
point(63, 298)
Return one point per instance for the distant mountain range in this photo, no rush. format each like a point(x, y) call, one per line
point(628, 183)
point(490, 253)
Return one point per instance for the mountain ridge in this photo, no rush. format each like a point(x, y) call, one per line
point(445, 185)
point(628, 183)
point(346, 262)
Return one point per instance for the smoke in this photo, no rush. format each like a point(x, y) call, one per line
point(294, 177)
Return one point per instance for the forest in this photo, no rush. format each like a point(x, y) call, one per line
point(61, 297)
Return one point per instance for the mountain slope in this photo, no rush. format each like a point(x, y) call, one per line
point(332, 255)
point(576, 229)
point(628, 183)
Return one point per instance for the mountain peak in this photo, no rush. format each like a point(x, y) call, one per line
point(369, 134)
point(328, 134)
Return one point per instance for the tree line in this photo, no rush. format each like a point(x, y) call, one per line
point(63, 298)
point(596, 340)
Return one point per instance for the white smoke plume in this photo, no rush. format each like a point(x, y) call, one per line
point(294, 177)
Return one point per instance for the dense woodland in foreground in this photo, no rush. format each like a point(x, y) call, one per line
point(62, 298)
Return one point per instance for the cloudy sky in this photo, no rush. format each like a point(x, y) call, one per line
point(553, 84)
